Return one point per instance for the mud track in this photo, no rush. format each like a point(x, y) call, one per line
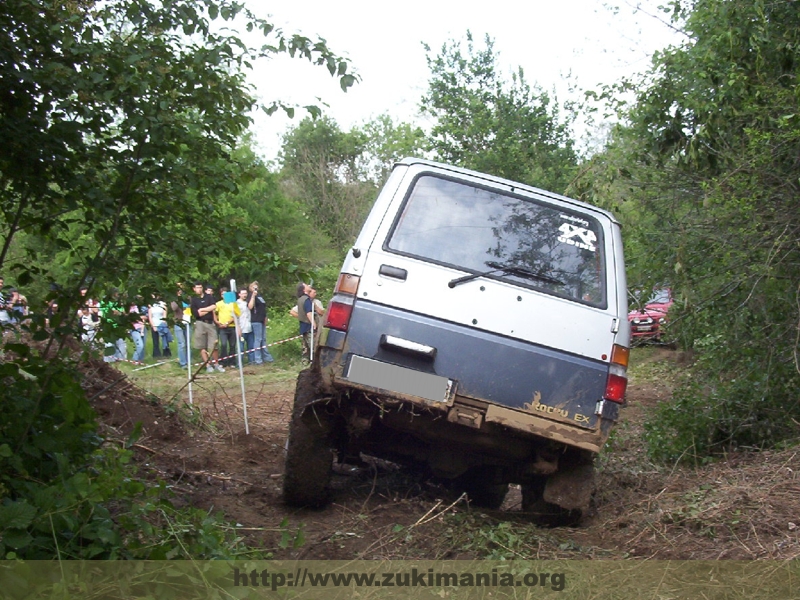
point(743, 507)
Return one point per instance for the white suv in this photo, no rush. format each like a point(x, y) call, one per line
point(478, 329)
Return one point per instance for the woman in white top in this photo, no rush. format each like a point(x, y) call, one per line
point(245, 324)
point(157, 314)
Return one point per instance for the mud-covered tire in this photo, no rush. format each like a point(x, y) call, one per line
point(480, 489)
point(309, 459)
point(542, 512)
point(535, 496)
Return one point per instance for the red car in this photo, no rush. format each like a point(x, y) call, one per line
point(647, 320)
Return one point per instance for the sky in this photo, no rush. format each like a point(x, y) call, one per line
point(556, 42)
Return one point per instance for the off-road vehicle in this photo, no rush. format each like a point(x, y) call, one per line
point(478, 330)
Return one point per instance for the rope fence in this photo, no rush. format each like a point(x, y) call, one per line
point(210, 362)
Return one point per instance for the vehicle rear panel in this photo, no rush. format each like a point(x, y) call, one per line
point(517, 344)
point(482, 366)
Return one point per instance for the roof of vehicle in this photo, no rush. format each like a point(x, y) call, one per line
point(515, 185)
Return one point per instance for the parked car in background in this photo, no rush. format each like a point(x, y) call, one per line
point(647, 319)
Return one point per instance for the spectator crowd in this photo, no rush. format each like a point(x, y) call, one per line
point(217, 323)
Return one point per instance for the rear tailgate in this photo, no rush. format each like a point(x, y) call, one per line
point(480, 365)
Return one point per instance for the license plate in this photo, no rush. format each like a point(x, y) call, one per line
point(644, 328)
point(399, 379)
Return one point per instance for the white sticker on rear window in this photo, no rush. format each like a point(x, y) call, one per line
point(577, 236)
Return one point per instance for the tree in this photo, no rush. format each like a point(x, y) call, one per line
point(387, 142)
point(289, 247)
point(484, 122)
point(710, 157)
point(321, 169)
point(118, 120)
point(120, 116)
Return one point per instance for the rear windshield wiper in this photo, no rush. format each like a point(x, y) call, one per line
point(511, 269)
point(528, 274)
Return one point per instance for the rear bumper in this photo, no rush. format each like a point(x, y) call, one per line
point(502, 382)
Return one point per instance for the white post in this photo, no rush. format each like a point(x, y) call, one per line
point(311, 345)
point(239, 357)
point(189, 358)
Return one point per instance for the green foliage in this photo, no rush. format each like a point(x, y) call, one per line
point(335, 175)
point(487, 539)
point(716, 411)
point(288, 246)
point(488, 124)
point(386, 143)
point(283, 326)
point(705, 178)
point(321, 171)
point(120, 121)
point(291, 538)
point(63, 493)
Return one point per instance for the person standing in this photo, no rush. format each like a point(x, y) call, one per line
point(157, 315)
point(84, 300)
point(318, 312)
point(90, 322)
point(13, 305)
point(49, 313)
point(153, 333)
point(137, 333)
point(305, 313)
point(181, 315)
point(245, 326)
point(110, 314)
point(224, 316)
point(5, 318)
point(258, 319)
point(205, 332)
point(19, 309)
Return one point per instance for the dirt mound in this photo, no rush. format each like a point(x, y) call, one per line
point(742, 507)
point(120, 405)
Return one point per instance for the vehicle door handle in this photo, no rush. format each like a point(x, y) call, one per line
point(408, 347)
point(393, 272)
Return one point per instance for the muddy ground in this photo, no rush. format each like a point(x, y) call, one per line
point(744, 506)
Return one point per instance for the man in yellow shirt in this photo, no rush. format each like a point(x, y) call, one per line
point(224, 317)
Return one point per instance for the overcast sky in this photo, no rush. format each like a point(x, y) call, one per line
point(550, 40)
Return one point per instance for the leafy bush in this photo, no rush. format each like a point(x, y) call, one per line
point(65, 494)
point(746, 408)
point(704, 174)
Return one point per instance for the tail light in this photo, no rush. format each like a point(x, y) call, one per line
point(617, 380)
point(340, 307)
point(339, 311)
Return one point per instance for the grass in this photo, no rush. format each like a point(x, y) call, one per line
point(163, 377)
point(648, 364)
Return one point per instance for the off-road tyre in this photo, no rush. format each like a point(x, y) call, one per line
point(546, 513)
point(481, 490)
point(309, 459)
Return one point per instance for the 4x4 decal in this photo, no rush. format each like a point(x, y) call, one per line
point(587, 237)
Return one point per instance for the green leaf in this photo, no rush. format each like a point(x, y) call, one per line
point(136, 433)
point(346, 82)
point(16, 539)
point(16, 514)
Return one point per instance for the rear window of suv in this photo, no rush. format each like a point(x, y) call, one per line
point(532, 244)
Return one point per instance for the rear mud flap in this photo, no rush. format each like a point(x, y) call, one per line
point(572, 488)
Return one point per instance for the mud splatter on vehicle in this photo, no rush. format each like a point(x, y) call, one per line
point(478, 330)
